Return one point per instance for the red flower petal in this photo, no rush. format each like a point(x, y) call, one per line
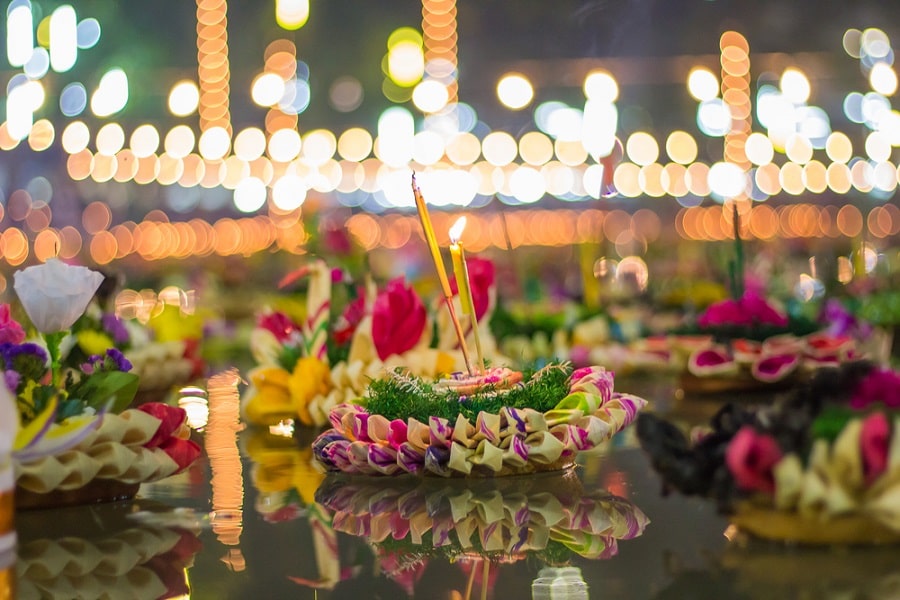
point(171, 418)
point(183, 452)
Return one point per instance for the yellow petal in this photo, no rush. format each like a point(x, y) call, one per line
point(38, 427)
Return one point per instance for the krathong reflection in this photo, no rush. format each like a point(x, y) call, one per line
point(225, 464)
point(286, 478)
point(94, 550)
point(478, 526)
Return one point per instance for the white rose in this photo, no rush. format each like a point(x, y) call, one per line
point(55, 294)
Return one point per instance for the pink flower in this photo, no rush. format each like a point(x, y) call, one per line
point(280, 325)
point(481, 278)
point(880, 385)
point(874, 440)
point(751, 309)
point(750, 457)
point(398, 319)
point(336, 240)
point(10, 330)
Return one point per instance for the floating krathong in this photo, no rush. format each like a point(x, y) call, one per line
point(475, 428)
point(820, 466)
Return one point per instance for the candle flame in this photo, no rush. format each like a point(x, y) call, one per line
point(457, 229)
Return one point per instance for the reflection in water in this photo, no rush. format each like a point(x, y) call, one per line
point(225, 464)
point(564, 583)
point(8, 574)
point(102, 552)
point(193, 400)
point(480, 526)
point(285, 478)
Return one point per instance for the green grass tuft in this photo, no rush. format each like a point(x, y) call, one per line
point(403, 396)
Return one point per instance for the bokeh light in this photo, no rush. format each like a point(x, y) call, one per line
point(515, 91)
point(184, 98)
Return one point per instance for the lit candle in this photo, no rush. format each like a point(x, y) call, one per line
point(461, 270)
point(431, 240)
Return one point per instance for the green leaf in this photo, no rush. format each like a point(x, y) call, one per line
point(289, 357)
point(69, 408)
point(831, 421)
point(116, 388)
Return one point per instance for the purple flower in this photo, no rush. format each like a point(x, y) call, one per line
point(12, 379)
point(113, 360)
point(841, 321)
point(116, 328)
point(28, 360)
point(121, 363)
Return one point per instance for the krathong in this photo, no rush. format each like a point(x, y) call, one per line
point(820, 466)
point(497, 425)
point(748, 342)
point(73, 428)
point(488, 421)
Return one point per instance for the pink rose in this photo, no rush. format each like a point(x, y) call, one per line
point(879, 386)
point(481, 279)
point(874, 440)
point(751, 309)
point(398, 319)
point(280, 325)
point(750, 457)
point(10, 330)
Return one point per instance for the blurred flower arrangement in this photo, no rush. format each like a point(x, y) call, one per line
point(164, 351)
point(748, 341)
point(62, 401)
point(48, 388)
point(820, 466)
point(311, 364)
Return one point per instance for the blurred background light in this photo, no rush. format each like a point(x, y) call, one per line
point(515, 91)
point(63, 38)
point(291, 14)
point(184, 98)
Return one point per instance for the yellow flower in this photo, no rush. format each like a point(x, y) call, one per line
point(307, 478)
point(173, 325)
point(269, 400)
point(93, 342)
point(311, 378)
point(279, 465)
